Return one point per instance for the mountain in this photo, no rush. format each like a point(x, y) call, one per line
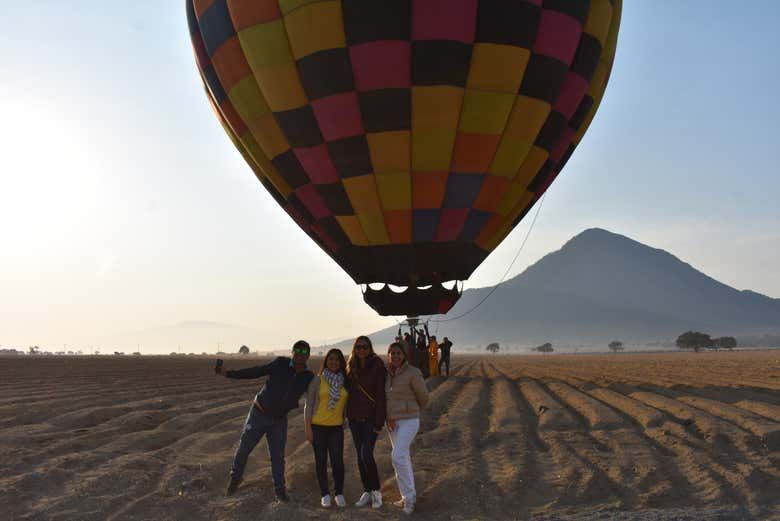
point(601, 286)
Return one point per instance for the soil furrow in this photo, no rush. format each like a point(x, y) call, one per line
point(679, 435)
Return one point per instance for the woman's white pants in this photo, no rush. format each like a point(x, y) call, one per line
point(401, 438)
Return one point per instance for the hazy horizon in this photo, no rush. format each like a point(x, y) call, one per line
point(124, 207)
point(208, 337)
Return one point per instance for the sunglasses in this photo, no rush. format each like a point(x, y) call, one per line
point(361, 346)
point(300, 351)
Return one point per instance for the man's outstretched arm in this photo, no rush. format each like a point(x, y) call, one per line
point(250, 372)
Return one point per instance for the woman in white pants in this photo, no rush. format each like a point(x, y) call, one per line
point(406, 395)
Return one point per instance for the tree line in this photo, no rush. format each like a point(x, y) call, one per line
point(688, 340)
point(698, 341)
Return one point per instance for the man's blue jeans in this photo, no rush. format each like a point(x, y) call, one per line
point(275, 430)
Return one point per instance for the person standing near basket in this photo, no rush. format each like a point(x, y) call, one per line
point(433, 357)
point(445, 347)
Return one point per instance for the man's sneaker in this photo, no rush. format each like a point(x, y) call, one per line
point(281, 495)
point(340, 501)
point(233, 486)
point(376, 499)
point(408, 508)
point(364, 500)
point(325, 502)
point(399, 503)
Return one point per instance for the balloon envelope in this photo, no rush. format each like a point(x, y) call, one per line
point(406, 137)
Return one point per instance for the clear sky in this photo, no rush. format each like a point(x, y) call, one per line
point(124, 207)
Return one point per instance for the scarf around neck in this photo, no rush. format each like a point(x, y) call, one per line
point(335, 382)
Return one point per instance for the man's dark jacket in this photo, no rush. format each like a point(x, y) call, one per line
point(282, 389)
point(445, 347)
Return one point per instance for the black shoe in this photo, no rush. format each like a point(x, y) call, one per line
point(233, 486)
point(281, 496)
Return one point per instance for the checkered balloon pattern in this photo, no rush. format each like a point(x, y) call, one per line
point(406, 137)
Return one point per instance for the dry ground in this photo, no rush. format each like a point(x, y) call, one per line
point(628, 436)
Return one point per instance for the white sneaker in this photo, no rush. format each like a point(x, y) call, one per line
point(408, 508)
point(325, 501)
point(340, 501)
point(376, 499)
point(364, 500)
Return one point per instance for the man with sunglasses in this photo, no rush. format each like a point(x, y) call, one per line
point(288, 379)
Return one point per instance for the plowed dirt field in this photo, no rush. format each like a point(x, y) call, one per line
point(627, 436)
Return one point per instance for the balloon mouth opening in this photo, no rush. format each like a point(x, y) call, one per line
point(393, 300)
point(450, 285)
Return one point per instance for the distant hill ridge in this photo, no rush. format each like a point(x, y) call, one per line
point(602, 286)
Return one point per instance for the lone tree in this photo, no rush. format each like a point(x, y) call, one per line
point(724, 342)
point(694, 340)
point(544, 348)
point(616, 346)
point(243, 350)
point(493, 347)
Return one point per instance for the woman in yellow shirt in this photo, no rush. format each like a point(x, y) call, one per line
point(323, 415)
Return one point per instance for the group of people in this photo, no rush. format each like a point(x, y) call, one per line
point(361, 391)
point(425, 352)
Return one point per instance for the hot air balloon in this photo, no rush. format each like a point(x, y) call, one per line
point(406, 137)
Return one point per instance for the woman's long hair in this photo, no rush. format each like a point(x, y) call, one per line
point(342, 361)
point(353, 367)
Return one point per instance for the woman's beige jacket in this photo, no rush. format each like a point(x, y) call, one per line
point(406, 393)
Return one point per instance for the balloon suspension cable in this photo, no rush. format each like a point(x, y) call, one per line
point(494, 288)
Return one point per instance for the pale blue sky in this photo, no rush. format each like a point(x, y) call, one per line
point(123, 205)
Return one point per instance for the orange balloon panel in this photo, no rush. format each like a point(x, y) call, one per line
point(406, 137)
